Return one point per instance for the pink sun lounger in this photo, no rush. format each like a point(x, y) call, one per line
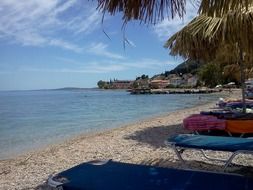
point(198, 122)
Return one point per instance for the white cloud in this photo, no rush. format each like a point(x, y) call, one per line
point(146, 63)
point(101, 50)
point(65, 45)
point(97, 68)
point(39, 23)
point(167, 28)
point(68, 61)
point(29, 38)
point(85, 26)
point(102, 66)
point(92, 68)
point(65, 6)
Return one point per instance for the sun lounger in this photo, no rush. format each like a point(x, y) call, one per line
point(217, 143)
point(199, 122)
point(239, 126)
point(115, 175)
point(231, 123)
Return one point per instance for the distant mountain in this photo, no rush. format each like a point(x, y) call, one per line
point(188, 66)
point(73, 88)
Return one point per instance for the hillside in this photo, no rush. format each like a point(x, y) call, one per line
point(188, 66)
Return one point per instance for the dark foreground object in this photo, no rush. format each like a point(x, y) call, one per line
point(114, 176)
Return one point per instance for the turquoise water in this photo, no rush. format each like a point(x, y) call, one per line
point(33, 119)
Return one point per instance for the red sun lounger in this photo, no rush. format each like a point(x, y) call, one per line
point(199, 122)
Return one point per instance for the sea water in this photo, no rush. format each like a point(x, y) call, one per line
point(34, 119)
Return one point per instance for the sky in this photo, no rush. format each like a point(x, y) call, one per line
point(64, 43)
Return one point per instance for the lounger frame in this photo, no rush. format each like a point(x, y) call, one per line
point(229, 133)
point(54, 184)
point(180, 149)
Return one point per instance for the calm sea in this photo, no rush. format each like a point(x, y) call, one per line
point(33, 119)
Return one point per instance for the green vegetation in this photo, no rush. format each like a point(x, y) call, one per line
point(188, 66)
point(210, 74)
point(142, 77)
point(103, 84)
point(219, 71)
point(141, 82)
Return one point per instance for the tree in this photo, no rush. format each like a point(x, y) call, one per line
point(211, 74)
point(103, 84)
point(144, 76)
point(135, 84)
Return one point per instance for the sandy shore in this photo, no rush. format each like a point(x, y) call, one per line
point(141, 142)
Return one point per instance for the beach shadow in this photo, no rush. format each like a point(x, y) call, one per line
point(44, 187)
point(245, 170)
point(155, 136)
point(189, 164)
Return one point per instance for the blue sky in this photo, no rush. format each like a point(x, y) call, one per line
point(54, 43)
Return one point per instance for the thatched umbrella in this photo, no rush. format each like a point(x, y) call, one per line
point(153, 11)
point(204, 36)
point(147, 11)
point(221, 7)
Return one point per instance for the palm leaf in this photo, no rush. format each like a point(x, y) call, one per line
point(153, 11)
point(222, 7)
point(148, 11)
point(204, 34)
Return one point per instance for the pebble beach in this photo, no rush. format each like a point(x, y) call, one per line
point(141, 142)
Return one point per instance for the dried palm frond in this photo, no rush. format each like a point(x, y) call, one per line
point(228, 53)
point(152, 11)
point(221, 7)
point(191, 41)
point(232, 70)
point(148, 11)
point(203, 36)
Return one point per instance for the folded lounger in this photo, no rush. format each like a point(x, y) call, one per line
point(217, 143)
point(200, 122)
point(239, 126)
point(122, 176)
point(205, 122)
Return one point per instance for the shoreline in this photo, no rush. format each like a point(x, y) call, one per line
point(15, 155)
point(139, 142)
point(24, 152)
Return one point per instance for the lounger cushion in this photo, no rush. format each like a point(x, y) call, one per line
point(231, 144)
point(239, 126)
point(123, 176)
point(199, 122)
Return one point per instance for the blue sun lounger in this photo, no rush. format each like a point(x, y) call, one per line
point(217, 143)
point(112, 175)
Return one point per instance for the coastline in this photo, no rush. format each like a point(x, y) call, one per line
point(140, 142)
point(16, 151)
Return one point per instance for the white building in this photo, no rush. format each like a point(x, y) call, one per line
point(192, 81)
point(176, 81)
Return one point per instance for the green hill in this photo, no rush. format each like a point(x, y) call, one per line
point(188, 66)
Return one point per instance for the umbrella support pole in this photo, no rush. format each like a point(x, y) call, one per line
point(242, 79)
